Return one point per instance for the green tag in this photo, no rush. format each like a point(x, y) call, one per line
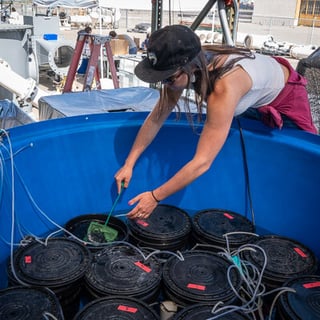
point(237, 262)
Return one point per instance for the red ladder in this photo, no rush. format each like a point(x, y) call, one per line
point(92, 71)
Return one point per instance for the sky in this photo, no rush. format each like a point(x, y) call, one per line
point(146, 4)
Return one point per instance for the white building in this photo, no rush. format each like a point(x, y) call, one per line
point(287, 12)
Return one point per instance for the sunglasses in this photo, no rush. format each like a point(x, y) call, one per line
point(171, 80)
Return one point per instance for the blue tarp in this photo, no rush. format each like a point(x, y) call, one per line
point(97, 101)
point(12, 115)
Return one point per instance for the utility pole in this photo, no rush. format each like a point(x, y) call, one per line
point(157, 11)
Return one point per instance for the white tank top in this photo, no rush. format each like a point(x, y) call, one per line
point(267, 81)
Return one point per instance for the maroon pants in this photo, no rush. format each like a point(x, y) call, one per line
point(292, 102)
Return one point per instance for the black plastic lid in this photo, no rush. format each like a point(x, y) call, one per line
point(304, 303)
point(211, 224)
point(172, 246)
point(201, 312)
point(24, 303)
point(79, 225)
point(286, 258)
point(200, 278)
point(166, 223)
point(119, 269)
point(124, 308)
point(61, 262)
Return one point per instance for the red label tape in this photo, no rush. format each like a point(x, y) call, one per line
point(142, 266)
point(196, 286)
point(228, 215)
point(312, 285)
point(300, 252)
point(142, 223)
point(127, 309)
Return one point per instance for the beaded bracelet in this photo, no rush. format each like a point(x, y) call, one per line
point(154, 197)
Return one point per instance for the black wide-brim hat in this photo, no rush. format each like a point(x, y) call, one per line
point(169, 49)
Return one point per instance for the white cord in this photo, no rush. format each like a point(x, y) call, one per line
point(48, 316)
point(252, 279)
point(12, 209)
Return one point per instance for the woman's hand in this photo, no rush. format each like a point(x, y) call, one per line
point(146, 203)
point(124, 175)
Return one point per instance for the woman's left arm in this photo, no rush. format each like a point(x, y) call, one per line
point(220, 111)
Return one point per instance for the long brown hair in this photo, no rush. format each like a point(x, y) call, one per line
point(217, 52)
point(201, 80)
